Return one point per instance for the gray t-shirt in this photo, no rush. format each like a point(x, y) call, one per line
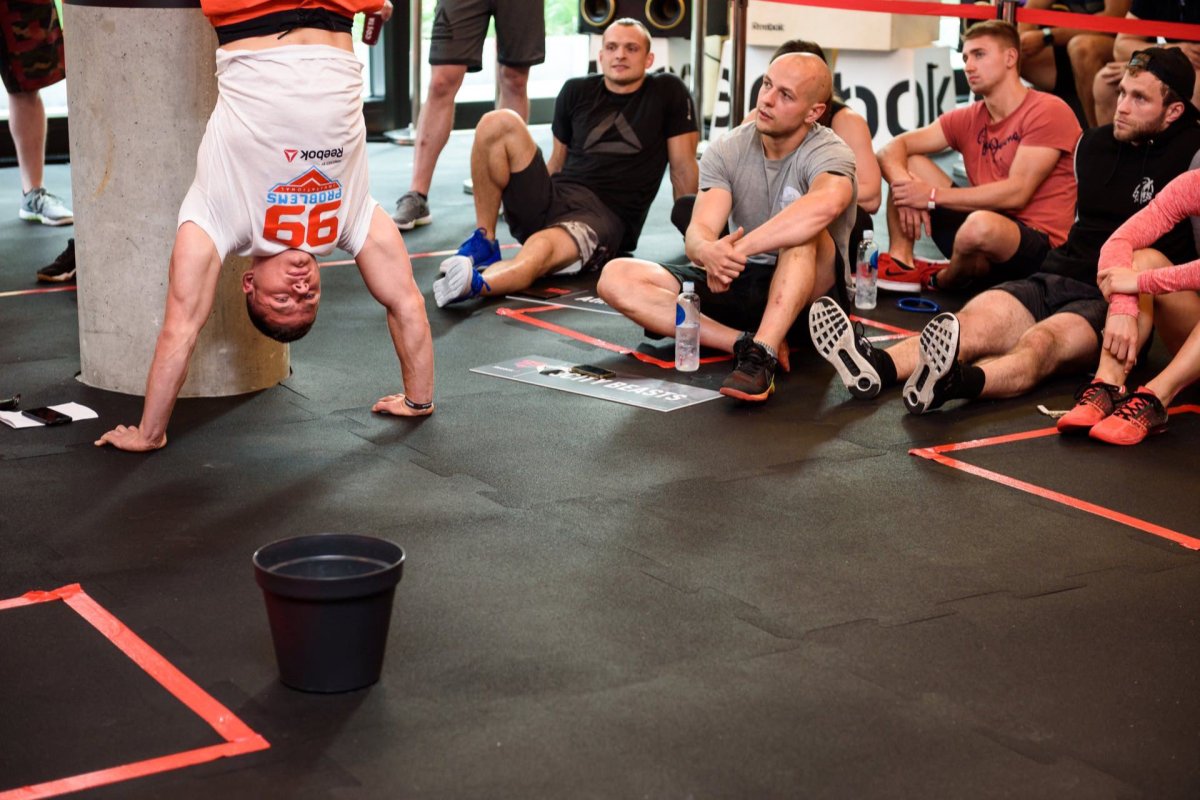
point(762, 188)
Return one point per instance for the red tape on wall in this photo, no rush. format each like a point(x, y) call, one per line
point(1060, 19)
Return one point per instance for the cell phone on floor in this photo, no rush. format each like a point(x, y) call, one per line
point(47, 416)
point(593, 371)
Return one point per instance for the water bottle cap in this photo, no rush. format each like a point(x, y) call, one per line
point(689, 286)
point(868, 236)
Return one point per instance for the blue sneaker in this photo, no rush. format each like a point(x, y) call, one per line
point(478, 248)
point(461, 282)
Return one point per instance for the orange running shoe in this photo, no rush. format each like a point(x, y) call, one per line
point(1140, 415)
point(1093, 402)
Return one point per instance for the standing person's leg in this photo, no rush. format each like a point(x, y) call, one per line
point(31, 58)
point(27, 124)
point(459, 29)
point(435, 124)
point(514, 90)
point(520, 43)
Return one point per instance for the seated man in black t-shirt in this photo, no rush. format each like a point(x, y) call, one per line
point(1022, 331)
point(614, 135)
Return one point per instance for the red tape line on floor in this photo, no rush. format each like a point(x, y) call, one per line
point(522, 315)
point(239, 738)
point(1062, 19)
point(937, 454)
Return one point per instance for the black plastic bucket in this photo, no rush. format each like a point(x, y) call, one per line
point(329, 603)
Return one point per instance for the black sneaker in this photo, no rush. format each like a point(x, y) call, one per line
point(754, 377)
point(938, 375)
point(845, 346)
point(63, 268)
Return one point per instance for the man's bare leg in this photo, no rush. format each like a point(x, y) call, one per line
point(1088, 54)
point(645, 293)
point(1040, 69)
point(1060, 341)
point(990, 324)
point(502, 146)
point(514, 90)
point(27, 123)
point(437, 119)
point(802, 274)
point(900, 246)
point(984, 239)
point(543, 252)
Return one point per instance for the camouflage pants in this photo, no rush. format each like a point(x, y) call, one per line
point(31, 45)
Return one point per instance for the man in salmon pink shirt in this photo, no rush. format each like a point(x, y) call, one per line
point(1017, 146)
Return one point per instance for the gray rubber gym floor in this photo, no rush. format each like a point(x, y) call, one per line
point(598, 600)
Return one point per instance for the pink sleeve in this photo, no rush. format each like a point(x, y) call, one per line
point(1177, 201)
point(1170, 279)
point(1123, 305)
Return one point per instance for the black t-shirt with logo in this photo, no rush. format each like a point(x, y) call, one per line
point(617, 143)
point(1117, 180)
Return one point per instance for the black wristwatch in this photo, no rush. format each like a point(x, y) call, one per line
point(1048, 36)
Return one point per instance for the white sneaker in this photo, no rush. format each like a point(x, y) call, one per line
point(38, 205)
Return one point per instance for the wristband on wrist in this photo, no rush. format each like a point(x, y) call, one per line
point(417, 406)
point(932, 204)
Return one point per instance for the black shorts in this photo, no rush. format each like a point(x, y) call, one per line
point(1046, 293)
point(742, 306)
point(31, 45)
point(1031, 252)
point(460, 26)
point(533, 201)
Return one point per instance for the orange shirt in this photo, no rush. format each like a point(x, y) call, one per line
point(228, 12)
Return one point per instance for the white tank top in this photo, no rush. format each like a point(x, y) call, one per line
point(283, 163)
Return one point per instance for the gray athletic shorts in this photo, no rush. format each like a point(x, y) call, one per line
point(460, 26)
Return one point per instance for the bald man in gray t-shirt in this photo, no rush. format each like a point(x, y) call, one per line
point(786, 186)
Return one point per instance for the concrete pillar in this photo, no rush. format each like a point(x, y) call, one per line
point(140, 86)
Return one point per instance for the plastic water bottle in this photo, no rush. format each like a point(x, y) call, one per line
point(866, 273)
point(687, 329)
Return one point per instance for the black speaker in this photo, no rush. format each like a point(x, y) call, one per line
point(661, 17)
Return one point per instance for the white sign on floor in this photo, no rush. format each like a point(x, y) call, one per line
point(629, 390)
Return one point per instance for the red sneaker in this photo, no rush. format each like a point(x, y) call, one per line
point(1140, 415)
point(929, 268)
point(896, 276)
point(1093, 402)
